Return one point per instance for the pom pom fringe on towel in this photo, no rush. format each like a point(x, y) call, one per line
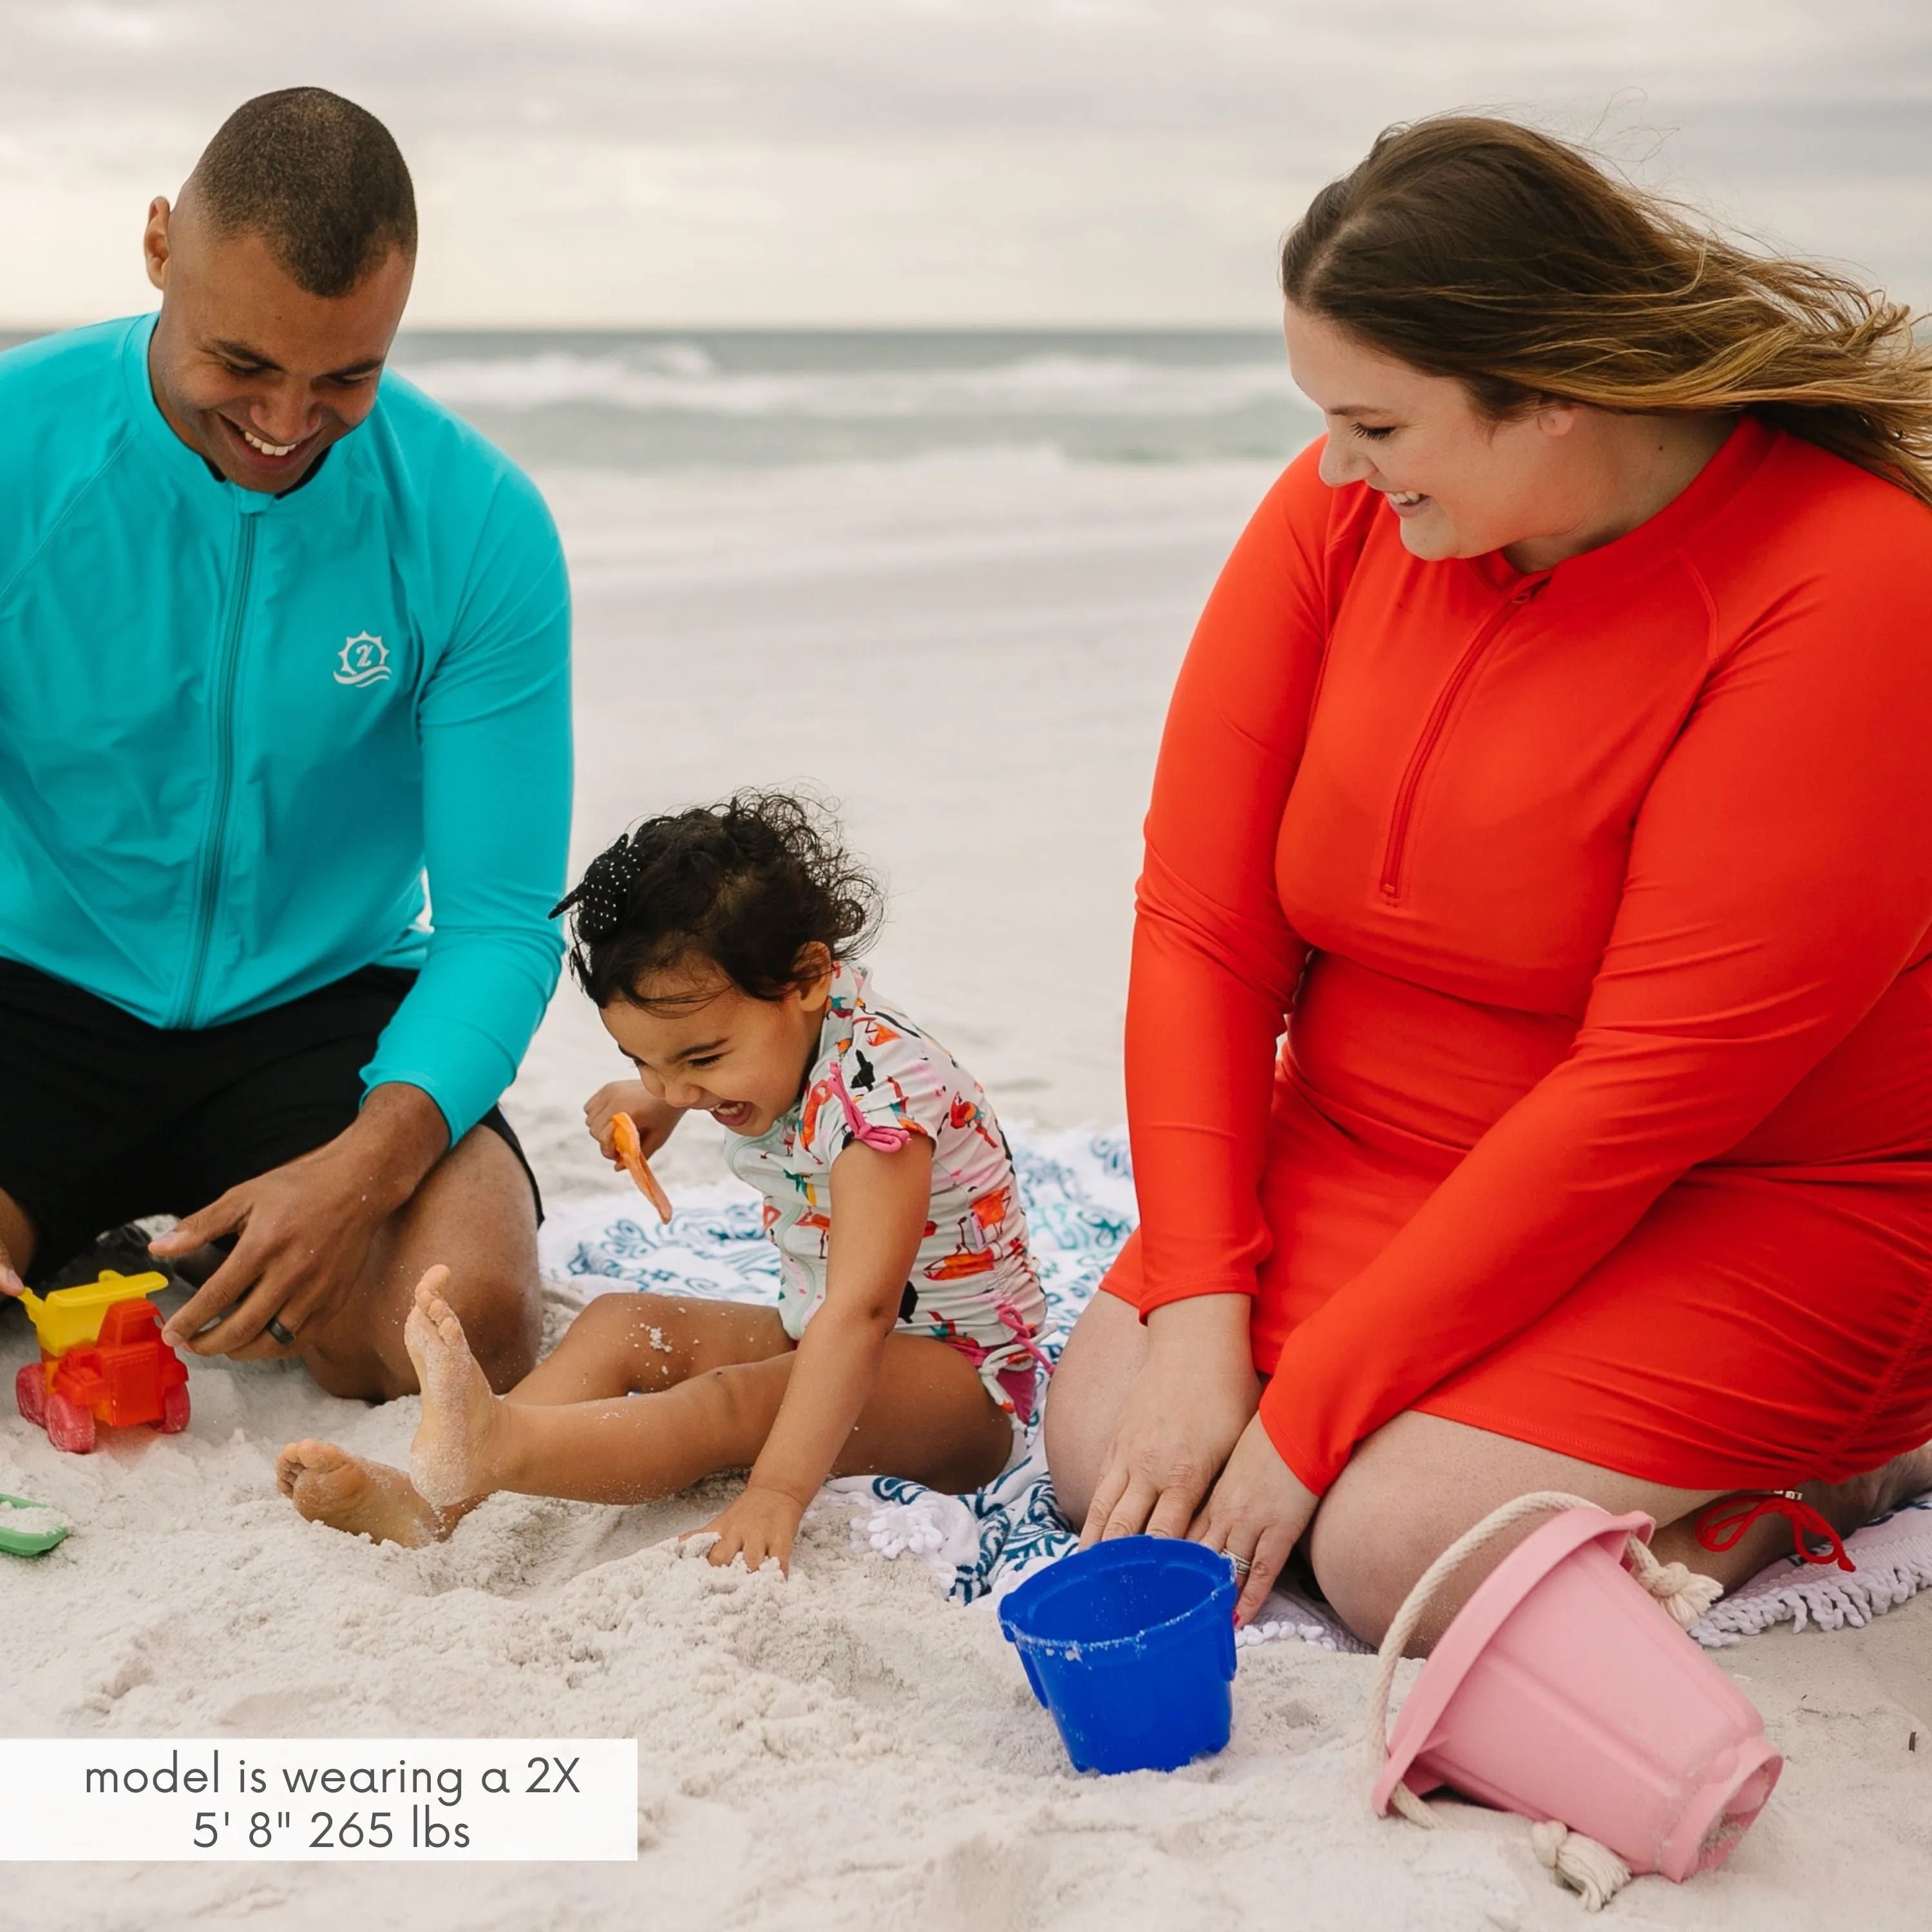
point(1080, 1204)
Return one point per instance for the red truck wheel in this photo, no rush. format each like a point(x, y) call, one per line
point(69, 1426)
point(174, 1410)
point(30, 1393)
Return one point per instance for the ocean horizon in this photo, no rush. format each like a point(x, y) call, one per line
point(671, 399)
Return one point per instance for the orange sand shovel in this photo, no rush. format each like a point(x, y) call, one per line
point(630, 1152)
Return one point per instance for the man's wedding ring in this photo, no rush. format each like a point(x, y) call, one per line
point(280, 1333)
point(1242, 1564)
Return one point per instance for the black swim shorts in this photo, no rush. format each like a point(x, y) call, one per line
point(105, 1119)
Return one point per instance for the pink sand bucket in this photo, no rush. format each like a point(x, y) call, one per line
point(1564, 1690)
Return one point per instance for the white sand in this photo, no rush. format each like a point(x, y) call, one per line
point(846, 1750)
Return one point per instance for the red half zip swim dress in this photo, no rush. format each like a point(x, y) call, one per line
point(1589, 910)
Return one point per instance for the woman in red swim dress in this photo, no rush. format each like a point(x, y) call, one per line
point(1551, 776)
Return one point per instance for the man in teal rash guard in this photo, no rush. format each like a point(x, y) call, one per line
point(281, 639)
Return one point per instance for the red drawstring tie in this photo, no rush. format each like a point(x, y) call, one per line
point(1721, 1525)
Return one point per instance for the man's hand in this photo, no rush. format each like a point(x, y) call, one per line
point(654, 1120)
point(761, 1523)
point(1257, 1512)
point(10, 1283)
point(305, 1229)
point(1184, 1411)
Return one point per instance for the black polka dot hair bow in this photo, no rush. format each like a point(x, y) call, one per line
point(599, 902)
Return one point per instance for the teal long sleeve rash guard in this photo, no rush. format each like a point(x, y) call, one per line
point(237, 730)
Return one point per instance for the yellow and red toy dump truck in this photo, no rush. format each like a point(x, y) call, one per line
point(102, 1361)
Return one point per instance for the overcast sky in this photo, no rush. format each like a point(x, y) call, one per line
point(592, 162)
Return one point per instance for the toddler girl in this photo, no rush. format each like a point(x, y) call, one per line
point(719, 945)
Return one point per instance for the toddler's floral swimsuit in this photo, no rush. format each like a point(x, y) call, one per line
point(878, 1078)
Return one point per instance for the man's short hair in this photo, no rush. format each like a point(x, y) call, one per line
point(319, 179)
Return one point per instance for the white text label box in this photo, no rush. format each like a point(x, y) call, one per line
point(354, 1798)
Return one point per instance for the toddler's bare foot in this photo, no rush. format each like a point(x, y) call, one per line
point(329, 1485)
point(452, 1459)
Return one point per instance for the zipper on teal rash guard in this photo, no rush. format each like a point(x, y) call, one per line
point(208, 874)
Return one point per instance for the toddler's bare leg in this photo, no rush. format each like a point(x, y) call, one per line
point(619, 1345)
point(929, 1418)
point(640, 1344)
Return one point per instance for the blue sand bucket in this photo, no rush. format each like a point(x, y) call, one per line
point(1131, 1645)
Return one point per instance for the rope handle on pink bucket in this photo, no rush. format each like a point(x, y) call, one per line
point(1591, 1869)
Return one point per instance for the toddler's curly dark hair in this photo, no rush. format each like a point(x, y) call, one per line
point(748, 884)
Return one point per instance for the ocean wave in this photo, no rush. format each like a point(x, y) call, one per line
point(682, 379)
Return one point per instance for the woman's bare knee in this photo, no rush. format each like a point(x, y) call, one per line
point(1369, 1543)
point(1099, 1360)
point(1417, 1485)
point(1408, 1493)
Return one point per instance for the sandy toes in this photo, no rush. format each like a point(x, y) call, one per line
point(450, 1457)
point(327, 1484)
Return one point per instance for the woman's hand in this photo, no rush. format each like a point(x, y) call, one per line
point(1184, 1411)
point(761, 1523)
point(654, 1119)
point(1257, 1512)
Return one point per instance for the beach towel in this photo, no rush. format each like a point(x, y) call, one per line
point(1079, 1197)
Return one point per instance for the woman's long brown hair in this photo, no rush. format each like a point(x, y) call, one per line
point(1476, 248)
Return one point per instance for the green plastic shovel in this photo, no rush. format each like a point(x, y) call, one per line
point(36, 1533)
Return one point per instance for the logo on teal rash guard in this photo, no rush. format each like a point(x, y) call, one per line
point(365, 660)
point(249, 840)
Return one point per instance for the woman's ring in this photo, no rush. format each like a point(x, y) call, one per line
point(1242, 1564)
point(280, 1333)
